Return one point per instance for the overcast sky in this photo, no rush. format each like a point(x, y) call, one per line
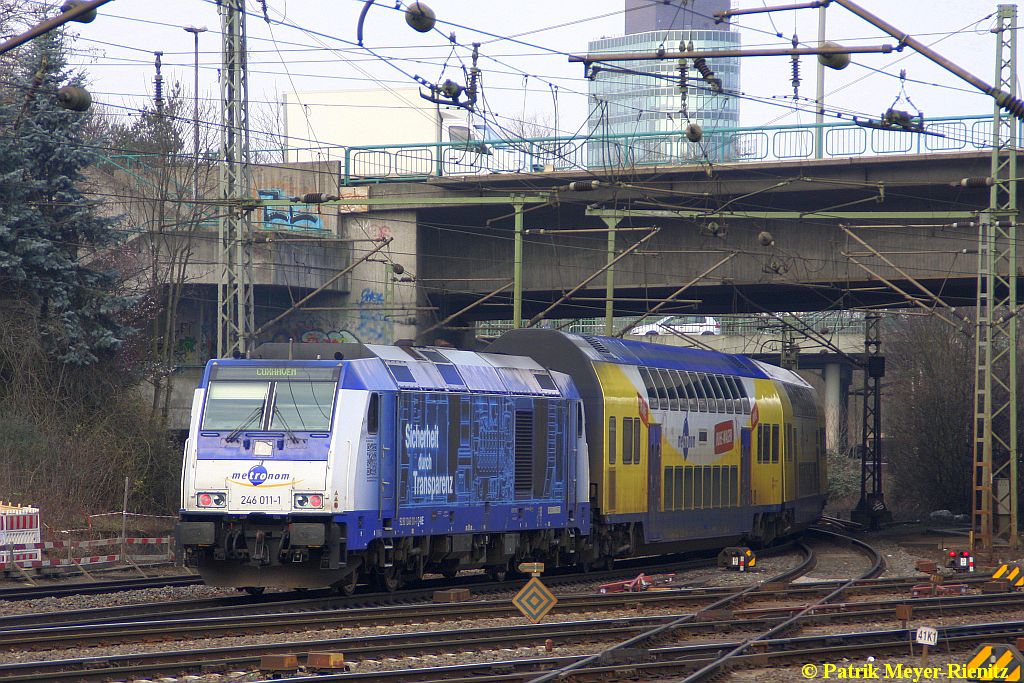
point(315, 50)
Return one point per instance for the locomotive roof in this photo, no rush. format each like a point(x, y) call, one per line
point(378, 366)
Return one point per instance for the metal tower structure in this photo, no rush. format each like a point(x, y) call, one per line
point(995, 386)
point(235, 321)
point(871, 510)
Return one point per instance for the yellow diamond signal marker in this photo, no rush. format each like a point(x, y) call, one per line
point(534, 601)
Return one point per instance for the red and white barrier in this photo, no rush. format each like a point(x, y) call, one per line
point(74, 562)
point(23, 558)
point(97, 543)
point(19, 530)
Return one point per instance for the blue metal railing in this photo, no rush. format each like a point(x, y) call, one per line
point(392, 163)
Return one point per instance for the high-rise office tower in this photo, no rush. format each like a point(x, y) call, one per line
point(647, 99)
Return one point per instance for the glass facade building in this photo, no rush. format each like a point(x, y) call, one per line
point(649, 101)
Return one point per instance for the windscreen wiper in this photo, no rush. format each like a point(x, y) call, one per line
point(277, 412)
point(257, 412)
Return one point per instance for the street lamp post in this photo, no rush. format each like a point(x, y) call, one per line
point(195, 31)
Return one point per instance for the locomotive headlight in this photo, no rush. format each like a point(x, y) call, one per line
point(210, 499)
point(309, 501)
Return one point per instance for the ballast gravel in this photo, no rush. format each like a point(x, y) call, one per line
point(131, 597)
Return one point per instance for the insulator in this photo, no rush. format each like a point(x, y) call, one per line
point(315, 198)
point(584, 185)
point(84, 18)
point(978, 181)
point(795, 65)
point(420, 17)
point(701, 65)
point(74, 98)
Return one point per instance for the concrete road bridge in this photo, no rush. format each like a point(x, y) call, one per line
point(752, 221)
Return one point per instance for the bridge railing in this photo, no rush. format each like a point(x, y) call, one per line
point(392, 163)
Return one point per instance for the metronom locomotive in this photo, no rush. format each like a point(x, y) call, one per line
point(315, 465)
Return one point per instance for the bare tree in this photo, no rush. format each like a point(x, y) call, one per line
point(153, 174)
point(268, 136)
point(929, 401)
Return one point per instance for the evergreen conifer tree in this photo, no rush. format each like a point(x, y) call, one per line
point(48, 228)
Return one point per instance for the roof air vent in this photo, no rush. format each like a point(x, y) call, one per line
point(596, 343)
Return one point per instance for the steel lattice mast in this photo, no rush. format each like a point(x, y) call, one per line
point(234, 292)
point(995, 389)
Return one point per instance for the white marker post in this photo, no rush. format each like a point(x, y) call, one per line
point(926, 637)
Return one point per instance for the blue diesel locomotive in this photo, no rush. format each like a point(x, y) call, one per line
point(320, 465)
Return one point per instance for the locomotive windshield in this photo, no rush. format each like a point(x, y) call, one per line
point(270, 398)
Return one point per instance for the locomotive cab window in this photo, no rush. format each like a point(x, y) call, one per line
point(302, 405)
point(275, 398)
point(230, 405)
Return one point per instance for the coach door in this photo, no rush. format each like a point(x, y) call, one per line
point(388, 475)
point(745, 481)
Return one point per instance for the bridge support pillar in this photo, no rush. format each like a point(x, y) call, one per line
point(837, 389)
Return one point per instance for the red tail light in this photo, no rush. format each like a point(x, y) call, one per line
point(205, 500)
point(316, 501)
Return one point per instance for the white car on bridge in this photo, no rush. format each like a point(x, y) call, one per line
point(680, 324)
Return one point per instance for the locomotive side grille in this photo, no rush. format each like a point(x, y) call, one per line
point(524, 453)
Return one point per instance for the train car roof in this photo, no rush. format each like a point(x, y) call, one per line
point(538, 344)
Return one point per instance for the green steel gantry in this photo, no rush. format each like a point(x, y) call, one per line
point(995, 392)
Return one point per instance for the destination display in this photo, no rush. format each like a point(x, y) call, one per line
point(290, 373)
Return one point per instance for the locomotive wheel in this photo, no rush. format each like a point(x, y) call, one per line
point(254, 590)
point(388, 579)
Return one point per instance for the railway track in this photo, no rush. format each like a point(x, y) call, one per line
point(86, 668)
point(211, 622)
point(294, 601)
point(623, 644)
point(96, 587)
point(438, 643)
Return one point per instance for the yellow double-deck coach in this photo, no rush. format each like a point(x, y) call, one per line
point(688, 448)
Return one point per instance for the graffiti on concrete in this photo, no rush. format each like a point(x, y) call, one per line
point(313, 328)
point(193, 342)
point(374, 326)
point(298, 217)
point(327, 336)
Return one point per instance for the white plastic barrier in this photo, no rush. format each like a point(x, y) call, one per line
point(19, 526)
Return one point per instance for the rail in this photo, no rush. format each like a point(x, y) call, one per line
point(418, 161)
